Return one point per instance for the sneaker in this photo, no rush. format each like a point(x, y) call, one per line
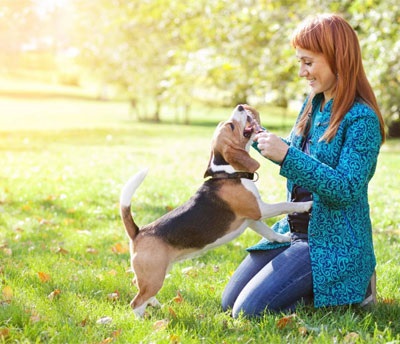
point(370, 296)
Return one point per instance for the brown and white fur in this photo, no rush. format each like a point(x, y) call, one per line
point(222, 208)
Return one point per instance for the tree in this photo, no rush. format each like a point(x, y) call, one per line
point(226, 51)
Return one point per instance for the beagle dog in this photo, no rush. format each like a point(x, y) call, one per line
point(222, 208)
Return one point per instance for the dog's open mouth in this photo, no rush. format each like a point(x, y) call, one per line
point(252, 127)
point(248, 131)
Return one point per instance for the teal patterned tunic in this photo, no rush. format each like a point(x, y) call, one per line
point(337, 173)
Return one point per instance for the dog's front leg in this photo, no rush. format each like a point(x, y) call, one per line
point(271, 210)
point(266, 232)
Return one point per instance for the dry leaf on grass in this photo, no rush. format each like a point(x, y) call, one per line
point(8, 293)
point(174, 339)
point(172, 312)
point(286, 321)
point(113, 296)
point(351, 337)
point(161, 324)
point(388, 301)
point(61, 250)
point(119, 248)
point(104, 320)
point(92, 250)
point(44, 277)
point(6, 250)
point(112, 272)
point(178, 298)
point(54, 294)
point(4, 333)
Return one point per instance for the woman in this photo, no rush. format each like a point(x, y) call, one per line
point(329, 157)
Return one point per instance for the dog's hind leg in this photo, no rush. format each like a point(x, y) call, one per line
point(145, 297)
point(150, 270)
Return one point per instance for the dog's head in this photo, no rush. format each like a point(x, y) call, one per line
point(231, 144)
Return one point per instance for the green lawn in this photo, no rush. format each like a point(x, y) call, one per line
point(63, 251)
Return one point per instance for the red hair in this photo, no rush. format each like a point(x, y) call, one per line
point(332, 36)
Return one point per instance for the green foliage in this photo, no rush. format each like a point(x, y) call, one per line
point(63, 259)
point(170, 52)
point(228, 52)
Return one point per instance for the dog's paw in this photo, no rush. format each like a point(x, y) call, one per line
point(280, 237)
point(154, 302)
point(304, 206)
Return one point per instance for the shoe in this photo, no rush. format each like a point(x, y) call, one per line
point(370, 297)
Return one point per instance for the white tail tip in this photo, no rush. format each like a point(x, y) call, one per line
point(130, 187)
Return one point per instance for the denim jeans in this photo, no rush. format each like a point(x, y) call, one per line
point(274, 280)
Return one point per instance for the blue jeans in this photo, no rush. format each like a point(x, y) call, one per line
point(274, 280)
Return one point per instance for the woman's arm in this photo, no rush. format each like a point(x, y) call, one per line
point(339, 186)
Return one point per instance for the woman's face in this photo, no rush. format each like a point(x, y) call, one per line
point(315, 68)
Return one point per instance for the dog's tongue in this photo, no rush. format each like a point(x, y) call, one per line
point(248, 131)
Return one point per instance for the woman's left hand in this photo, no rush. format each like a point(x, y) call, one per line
point(271, 146)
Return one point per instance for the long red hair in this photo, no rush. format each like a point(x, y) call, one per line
point(332, 36)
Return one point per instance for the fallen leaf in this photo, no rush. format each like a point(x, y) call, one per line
point(190, 271)
point(35, 318)
point(119, 248)
point(92, 250)
point(172, 312)
point(302, 330)
point(113, 272)
point(106, 341)
point(44, 277)
point(83, 323)
point(178, 298)
point(43, 222)
point(113, 296)
point(285, 321)
point(116, 333)
point(7, 293)
point(4, 333)
point(68, 221)
point(388, 301)
point(104, 320)
point(351, 337)
point(7, 251)
point(174, 339)
point(62, 250)
point(160, 325)
point(54, 294)
point(26, 207)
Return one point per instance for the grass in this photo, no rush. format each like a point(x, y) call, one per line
point(63, 251)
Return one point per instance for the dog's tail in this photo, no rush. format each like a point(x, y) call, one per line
point(125, 202)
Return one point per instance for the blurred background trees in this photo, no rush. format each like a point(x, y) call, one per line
point(171, 53)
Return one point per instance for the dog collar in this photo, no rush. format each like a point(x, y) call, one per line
point(234, 175)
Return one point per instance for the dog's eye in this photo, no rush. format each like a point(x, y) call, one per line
point(232, 126)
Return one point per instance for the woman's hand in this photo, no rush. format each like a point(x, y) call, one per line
point(271, 146)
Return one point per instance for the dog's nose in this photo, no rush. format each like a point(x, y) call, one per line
point(240, 108)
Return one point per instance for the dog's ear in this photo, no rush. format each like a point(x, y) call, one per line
point(217, 132)
point(240, 159)
point(207, 173)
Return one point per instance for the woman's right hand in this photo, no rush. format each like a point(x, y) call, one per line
point(271, 146)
